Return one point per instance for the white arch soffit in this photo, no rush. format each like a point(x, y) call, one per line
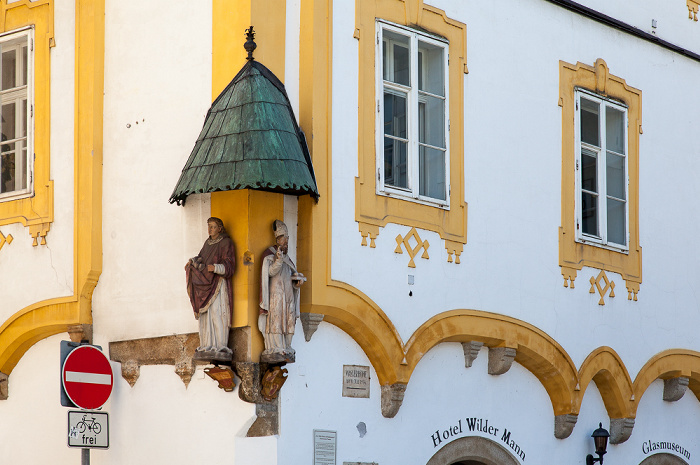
point(474, 448)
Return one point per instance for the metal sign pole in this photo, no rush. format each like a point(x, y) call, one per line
point(85, 457)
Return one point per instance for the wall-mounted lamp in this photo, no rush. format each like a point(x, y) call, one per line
point(600, 438)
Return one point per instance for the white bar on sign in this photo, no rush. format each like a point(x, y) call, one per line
point(89, 378)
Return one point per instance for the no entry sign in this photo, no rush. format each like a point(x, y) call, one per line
point(87, 377)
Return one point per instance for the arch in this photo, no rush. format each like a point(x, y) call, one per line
point(605, 368)
point(535, 350)
point(473, 448)
point(663, 459)
point(670, 364)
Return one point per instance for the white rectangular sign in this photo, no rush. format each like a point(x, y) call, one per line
point(324, 447)
point(355, 381)
point(88, 429)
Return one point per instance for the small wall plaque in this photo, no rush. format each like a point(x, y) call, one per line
point(355, 381)
point(325, 447)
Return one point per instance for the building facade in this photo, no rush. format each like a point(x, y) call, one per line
point(488, 175)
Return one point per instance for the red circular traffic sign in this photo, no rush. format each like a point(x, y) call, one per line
point(87, 377)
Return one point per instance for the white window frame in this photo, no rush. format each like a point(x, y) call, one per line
point(412, 193)
point(15, 94)
point(600, 240)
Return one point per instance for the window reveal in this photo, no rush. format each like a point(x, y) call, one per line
point(413, 109)
point(602, 171)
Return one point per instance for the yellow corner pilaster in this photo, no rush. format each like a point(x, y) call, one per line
point(247, 214)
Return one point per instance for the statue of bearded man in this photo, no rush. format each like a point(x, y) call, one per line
point(209, 287)
point(279, 298)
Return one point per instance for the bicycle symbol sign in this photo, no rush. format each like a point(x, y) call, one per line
point(88, 429)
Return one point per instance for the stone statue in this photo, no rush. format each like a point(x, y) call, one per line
point(279, 299)
point(211, 294)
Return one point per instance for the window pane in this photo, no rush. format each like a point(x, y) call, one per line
point(395, 123)
point(615, 175)
point(7, 172)
point(616, 222)
point(432, 173)
point(589, 176)
point(7, 121)
point(395, 166)
point(589, 122)
point(396, 58)
point(431, 121)
point(9, 64)
point(615, 130)
point(25, 65)
point(431, 69)
point(589, 213)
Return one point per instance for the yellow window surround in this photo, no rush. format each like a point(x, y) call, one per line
point(693, 9)
point(35, 211)
point(575, 255)
point(371, 210)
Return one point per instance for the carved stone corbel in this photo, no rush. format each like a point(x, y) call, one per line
point(131, 371)
point(564, 425)
point(310, 322)
point(392, 398)
point(80, 333)
point(620, 429)
point(471, 351)
point(251, 385)
point(4, 382)
point(500, 359)
point(674, 388)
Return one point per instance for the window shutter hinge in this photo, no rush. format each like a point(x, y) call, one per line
point(377, 106)
point(577, 226)
point(31, 45)
point(577, 165)
point(31, 111)
point(377, 38)
point(576, 106)
point(449, 126)
point(378, 174)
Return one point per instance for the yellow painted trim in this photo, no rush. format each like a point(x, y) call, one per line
point(574, 255)
point(35, 212)
point(46, 318)
point(378, 210)
point(535, 350)
point(693, 9)
point(605, 368)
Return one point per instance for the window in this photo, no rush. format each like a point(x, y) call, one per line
point(412, 119)
point(601, 126)
point(15, 114)
point(421, 184)
point(601, 166)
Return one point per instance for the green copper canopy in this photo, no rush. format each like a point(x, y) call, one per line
point(250, 140)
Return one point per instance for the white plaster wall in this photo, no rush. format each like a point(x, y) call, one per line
point(512, 155)
point(157, 92)
point(31, 274)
